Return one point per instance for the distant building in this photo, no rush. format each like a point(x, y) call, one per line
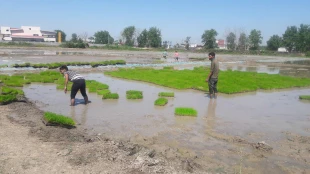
point(282, 50)
point(221, 44)
point(27, 33)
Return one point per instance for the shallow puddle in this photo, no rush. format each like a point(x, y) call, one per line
point(255, 116)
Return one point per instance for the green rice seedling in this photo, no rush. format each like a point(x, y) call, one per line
point(110, 96)
point(4, 77)
point(168, 67)
point(120, 62)
point(166, 94)
point(6, 99)
point(304, 97)
point(4, 66)
point(7, 90)
point(103, 91)
point(47, 80)
point(133, 94)
point(161, 102)
point(14, 83)
point(56, 119)
point(185, 112)
point(102, 86)
point(229, 81)
point(92, 89)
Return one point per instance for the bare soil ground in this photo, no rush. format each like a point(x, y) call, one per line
point(28, 146)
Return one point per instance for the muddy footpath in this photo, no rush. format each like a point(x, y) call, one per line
point(28, 146)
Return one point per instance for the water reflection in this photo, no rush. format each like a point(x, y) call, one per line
point(211, 114)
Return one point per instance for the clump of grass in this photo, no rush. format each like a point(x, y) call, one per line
point(166, 94)
point(304, 97)
point(92, 90)
point(55, 119)
point(6, 99)
point(103, 91)
point(110, 96)
point(168, 67)
point(161, 102)
point(229, 81)
point(58, 64)
point(4, 66)
point(9, 95)
point(133, 94)
point(185, 112)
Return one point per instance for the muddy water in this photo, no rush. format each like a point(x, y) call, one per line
point(262, 115)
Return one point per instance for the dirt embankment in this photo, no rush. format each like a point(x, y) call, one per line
point(28, 146)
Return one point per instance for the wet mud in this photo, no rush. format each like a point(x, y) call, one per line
point(256, 122)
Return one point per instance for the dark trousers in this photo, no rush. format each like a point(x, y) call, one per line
point(78, 84)
point(212, 85)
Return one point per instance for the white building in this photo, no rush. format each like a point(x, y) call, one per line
point(27, 33)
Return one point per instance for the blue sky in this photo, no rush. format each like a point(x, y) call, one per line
point(176, 18)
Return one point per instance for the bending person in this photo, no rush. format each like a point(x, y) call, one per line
point(78, 83)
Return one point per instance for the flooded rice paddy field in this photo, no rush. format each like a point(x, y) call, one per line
point(269, 113)
point(276, 117)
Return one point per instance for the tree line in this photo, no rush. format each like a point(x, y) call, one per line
point(294, 39)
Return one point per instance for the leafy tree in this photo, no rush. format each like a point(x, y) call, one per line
point(231, 41)
point(128, 34)
point(142, 39)
point(303, 38)
point(63, 35)
point(154, 37)
point(242, 43)
point(103, 37)
point(187, 41)
point(274, 42)
point(290, 38)
point(74, 37)
point(255, 39)
point(208, 38)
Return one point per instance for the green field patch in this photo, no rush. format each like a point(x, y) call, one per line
point(103, 91)
point(304, 97)
point(58, 64)
point(134, 94)
point(161, 102)
point(166, 94)
point(185, 112)
point(58, 120)
point(110, 96)
point(229, 81)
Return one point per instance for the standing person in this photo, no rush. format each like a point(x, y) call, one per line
point(78, 83)
point(176, 56)
point(213, 75)
point(165, 54)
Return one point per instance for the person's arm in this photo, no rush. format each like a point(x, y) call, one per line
point(211, 72)
point(66, 82)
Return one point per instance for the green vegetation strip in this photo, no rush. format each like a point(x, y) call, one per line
point(185, 112)
point(166, 94)
point(53, 118)
point(46, 77)
point(9, 95)
point(229, 81)
point(133, 94)
point(161, 102)
point(110, 96)
point(304, 97)
point(58, 64)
